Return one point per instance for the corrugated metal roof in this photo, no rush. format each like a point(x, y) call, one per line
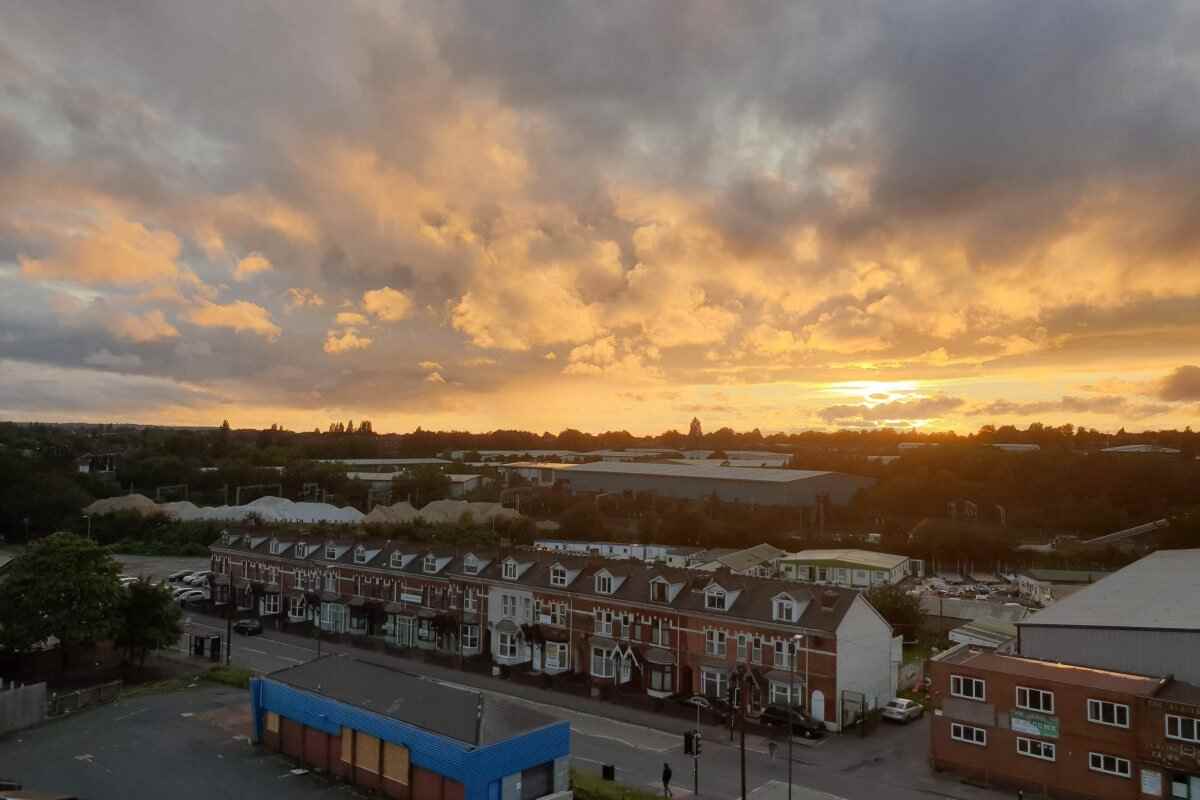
point(701, 469)
point(1157, 592)
point(867, 558)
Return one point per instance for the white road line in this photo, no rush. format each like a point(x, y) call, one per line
point(289, 658)
point(131, 714)
point(252, 650)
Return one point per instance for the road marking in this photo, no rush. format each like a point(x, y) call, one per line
point(132, 714)
point(252, 650)
point(289, 658)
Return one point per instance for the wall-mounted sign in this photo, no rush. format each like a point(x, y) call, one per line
point(1034, 724)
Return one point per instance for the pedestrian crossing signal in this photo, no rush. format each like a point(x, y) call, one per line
point(691, 743)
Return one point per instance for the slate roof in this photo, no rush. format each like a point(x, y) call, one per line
point(754, 600)
point(413, 699)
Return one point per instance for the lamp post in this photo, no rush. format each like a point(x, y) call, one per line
point(741, 712)
point(88, 517)
point(791, 701)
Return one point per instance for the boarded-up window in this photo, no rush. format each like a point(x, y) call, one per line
point(272, 722)
point(366, 752)
point(395, 763)
point(348, 745)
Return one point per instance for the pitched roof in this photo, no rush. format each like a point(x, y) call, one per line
point(1156, 592)
point(867, 558)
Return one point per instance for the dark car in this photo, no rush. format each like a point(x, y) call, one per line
point(247, 627)
point(776, 714)
point(712, 708)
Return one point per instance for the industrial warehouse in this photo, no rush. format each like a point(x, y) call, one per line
point(756, 485)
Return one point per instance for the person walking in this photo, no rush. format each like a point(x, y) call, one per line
point(666, 779)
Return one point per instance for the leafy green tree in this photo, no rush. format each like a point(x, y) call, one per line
point(147, 619)
point(898, 607)
point(63, 586)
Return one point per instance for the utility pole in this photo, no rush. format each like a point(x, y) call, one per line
point(229, 634)
point(696, 757)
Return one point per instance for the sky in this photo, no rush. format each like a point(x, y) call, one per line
point(494, 214)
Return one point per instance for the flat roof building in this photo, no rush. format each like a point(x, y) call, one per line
point(407, 736)
point(846, 567)
point(703, 479)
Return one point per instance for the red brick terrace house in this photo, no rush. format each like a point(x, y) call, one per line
point(627, 625)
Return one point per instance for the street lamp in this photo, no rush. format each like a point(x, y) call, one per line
point(88, 517)
point(791, 701)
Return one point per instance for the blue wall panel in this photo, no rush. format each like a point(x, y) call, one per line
point(478, 769)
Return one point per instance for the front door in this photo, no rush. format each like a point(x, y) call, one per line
point(818, 705)
point(537, 658)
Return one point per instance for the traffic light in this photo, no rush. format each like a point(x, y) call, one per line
point(689, 743)
point(697, 742)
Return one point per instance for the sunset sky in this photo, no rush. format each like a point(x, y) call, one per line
point(601, 215)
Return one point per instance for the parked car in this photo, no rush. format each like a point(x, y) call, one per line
point(181, 590)
point(716, 709)
point(902, 710)
point(125, 580)
point(191, 596)
point(248, 627)
point(777, 714)
point(179, 576)
point(199, 578)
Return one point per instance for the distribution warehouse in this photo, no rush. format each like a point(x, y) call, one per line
point(778, 487)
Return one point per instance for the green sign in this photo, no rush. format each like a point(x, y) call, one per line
point(1034, 724)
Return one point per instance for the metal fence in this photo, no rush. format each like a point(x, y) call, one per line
point(61, 703)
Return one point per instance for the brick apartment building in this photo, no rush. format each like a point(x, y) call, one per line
point(632, 626)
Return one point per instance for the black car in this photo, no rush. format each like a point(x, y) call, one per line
point(247, 627)
point(802, 724)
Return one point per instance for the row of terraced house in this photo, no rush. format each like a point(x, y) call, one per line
point(642, 628)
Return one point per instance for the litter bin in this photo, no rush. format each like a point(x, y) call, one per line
point(608, 772)
point(214, 647)
point(197, 645)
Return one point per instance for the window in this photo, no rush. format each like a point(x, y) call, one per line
point(714, 642)
point(556, 655)
point(756, 650)
point(1102, 712)
point(296, 609)
point(969, 688)
point(822, 574)
point(660, 632)
point(604, 622)
point(782, 656)
point(661, 680)
point(331, 582)
point(397, 560)
point(742, 647)
point(786, 693)
point(658, 591)
point(713, 683)
point(470, 637)
point(968, 734)
point(784, 608)
point(714, 600)
point(510, 570)
point(471, 566)
point(301, 550)
point(558, 576)
point(1109, 765)
point(270, 604)
point(1185, 729)
point(602, 665)
point(358, 586)
point(558, 613)
point(508, 605)
point(300, 580)
point(430, 564)
point(1035, 748)
point(330, 552)
point(1035, 700)
point(507, 646)
point(360, 555)
point(470, 600)
point(604, 583)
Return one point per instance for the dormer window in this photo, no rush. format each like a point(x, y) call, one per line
point(471, 565)
point(604, 583)
point(714, 599)
point(360, 555)
point(785, 609)
point(301, 550)
point(558, 575)
point(397, 560)
point(330, 552)
point(510, 570)
point(430, 563)
point(275, 548)
point(659, 591)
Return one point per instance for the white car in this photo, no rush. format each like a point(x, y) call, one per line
point(191, 595)
point(902, 710)
point(182, 590)
point(180, 576)
point(198, 578)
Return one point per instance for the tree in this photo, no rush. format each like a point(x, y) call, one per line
point(583, 521)
point(63, 586)
point(898, 607)
point(695, 433)
point(147, 619)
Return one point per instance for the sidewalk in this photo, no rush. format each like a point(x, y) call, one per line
point(713, 734)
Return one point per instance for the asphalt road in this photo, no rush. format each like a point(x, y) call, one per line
point(891, 760)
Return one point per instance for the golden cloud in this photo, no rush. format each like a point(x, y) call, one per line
point(251, 265)
point(148, 327)
point(387, 304)
point(350, 318)
point(116, 252)
point(347, 341)
point(240, 315)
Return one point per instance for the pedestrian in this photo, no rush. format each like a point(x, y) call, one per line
point(666, 779)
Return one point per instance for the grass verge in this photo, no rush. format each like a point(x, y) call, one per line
point(230, 676)
point(589, 786)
